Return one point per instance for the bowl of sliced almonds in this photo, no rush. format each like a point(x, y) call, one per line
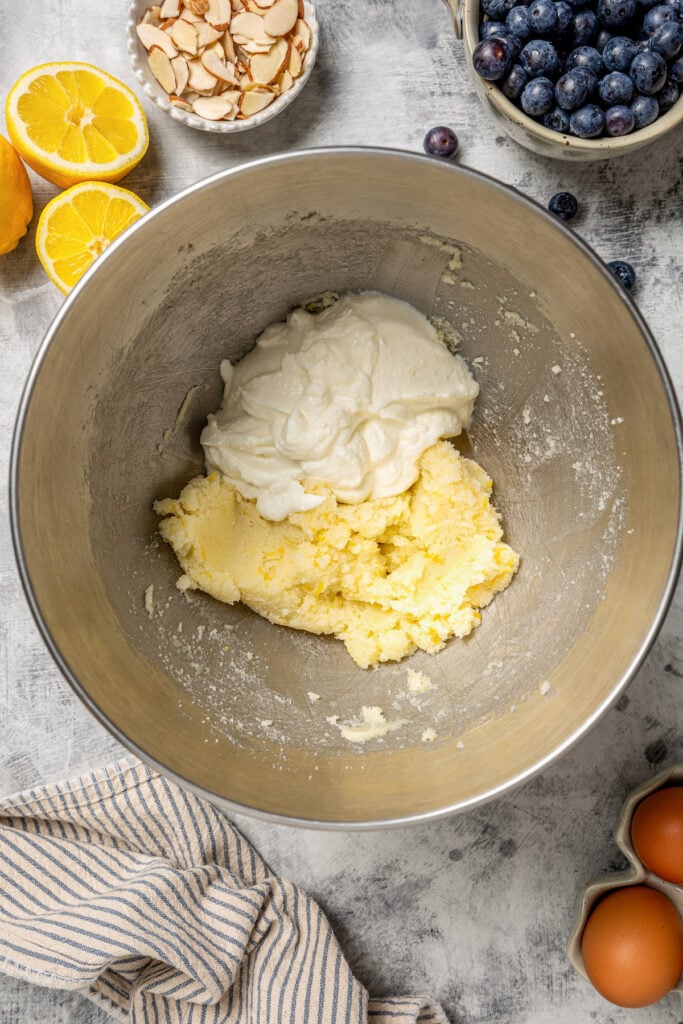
point(222, 65)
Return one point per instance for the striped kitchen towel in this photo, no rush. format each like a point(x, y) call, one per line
point(128, 889)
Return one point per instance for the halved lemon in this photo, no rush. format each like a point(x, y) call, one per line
point(72, 122)
point(77, 226)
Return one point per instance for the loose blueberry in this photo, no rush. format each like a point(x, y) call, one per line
point(497, 9)
point(602, 39)
point(557, 120)
point(517, 21)
point(572, 90)
point(657, 17)
point(585, 57)
point(563, 205)
point(619, 120)
point(667, 40)
point(492, 58)
point(615, 89)
point(676, 70)
point(514, 43)
point(645, 110)
point(491, 28)
point(648, 72)
point(538, 97)
point(587, 122)
point(441, 141)
point(514, 83)
point(565, 15)
point(624, 273)
point(583, 27)
point(542, 17)
point(616, 13)
point(618, 53)
point(539, 58)
point(667, 95)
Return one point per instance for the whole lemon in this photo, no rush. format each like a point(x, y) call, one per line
point(16, 199)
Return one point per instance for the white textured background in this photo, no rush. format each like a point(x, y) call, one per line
point(476, 909)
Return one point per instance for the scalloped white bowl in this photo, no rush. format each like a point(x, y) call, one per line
point(151, 88)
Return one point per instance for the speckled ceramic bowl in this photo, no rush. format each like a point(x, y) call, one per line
point(531, 134)
point(151, 88)
point(635, 874)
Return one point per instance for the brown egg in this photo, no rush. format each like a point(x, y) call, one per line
point(632, 946)
point(657, 833)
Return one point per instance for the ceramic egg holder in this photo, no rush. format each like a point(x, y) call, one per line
point(635, 874)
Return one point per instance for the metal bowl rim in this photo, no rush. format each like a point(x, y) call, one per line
point(80, 690)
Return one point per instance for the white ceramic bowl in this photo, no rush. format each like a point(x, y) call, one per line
point(531, 133)
point(151, 88)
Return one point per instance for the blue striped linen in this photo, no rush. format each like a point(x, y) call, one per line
point(124, 887)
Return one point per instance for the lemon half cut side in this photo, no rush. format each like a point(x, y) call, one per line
point(73, 122)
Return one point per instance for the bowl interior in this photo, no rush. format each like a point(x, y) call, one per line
point(574, 424)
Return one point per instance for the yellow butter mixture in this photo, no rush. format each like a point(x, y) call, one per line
point(385, 575)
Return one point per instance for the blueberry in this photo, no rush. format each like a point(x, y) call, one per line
point(645, 110)
point(645, 5)
point(497, 9)
point(557, 120)
point(585, 57)
point(587, 122)
point(583, 27)
point(565, 15)
point(514, 42)
point(667, 95)
point(492, 58)
point(442, 142)
point(563, 205)
point(616, 13)
point(487, 29)
point(619, 120)
point(615, 89)
point(514, 83)
point(667, 40)
point(517, 21)
point(542, 17)
point(538, 97)
point(572, 90)
point(648, 72)
point(676, 71)
point(539, 57)
point(602, 39)
point(618, 53)
point(623, 272)
point(657, 17)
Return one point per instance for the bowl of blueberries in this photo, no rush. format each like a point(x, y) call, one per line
point(578, 79)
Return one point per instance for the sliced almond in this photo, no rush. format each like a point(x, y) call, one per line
point(219, 14)
point(281, 18)
point(298, 44)
point(167, 25)
point(207, 34)
point(151, 35)
point(179, 101)
point(217, 48)
point(215, 66)
point(250, 26)
point(264, 4)
point(295, 62)
point(197, 6)
point(152, 15)
point(181, 72)
point(303, 31)
point(285, 81)
point(228, 46)
point(160, 66)
point(254, 100)
point(185, 36)
point(266, 67)
point(199, 79)
point(251, 48)
point(213, 108)
point(237, 6)
point(170, 9)
point(194, 19)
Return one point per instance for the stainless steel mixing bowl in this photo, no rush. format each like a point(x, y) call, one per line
point(576, 423)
